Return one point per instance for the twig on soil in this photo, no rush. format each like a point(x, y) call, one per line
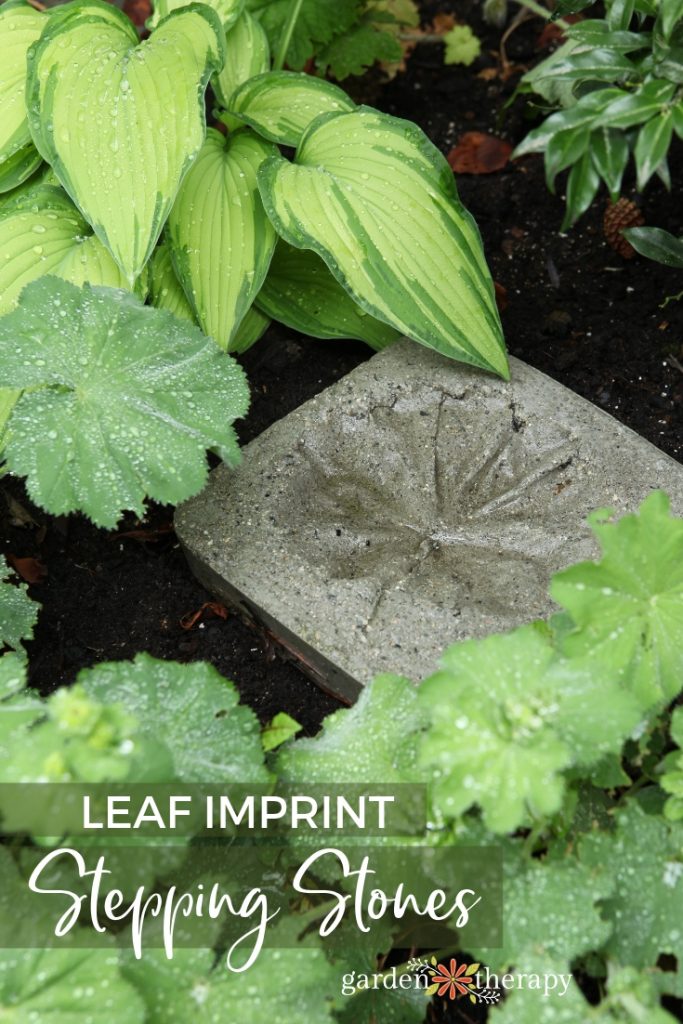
point(675, 362)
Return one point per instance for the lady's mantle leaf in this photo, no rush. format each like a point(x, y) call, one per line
point(505, 747)
point(628, 607)
point(124, 400)
point(18, 613)
point(375, 739)
point(65, 986)
point(119, 120)
point(211, 737)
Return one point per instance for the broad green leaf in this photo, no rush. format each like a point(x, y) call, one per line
point(670, 14)
point(654, 139)
point(319, 21)
point(221, 239)
point(610, 152)
point(595, 65)
point(20, 26)
point(280, 105)
point(247, 54)
point(582, 186)
point(124, 400)
point(285, 986)
point(18, 613)
point(643, 858)
point(619, 14)
point(211, 737)
point(628, 607)
point(373, 741)
point(301, 292)
point(8, 399)
point(93, 94)
point(566, 922)
point(636, 108)
point(372, 196)
point(657, 245)
point(42, 232)
point(65, 986)
point(227, 10)
point(164, 287)
point(507, 753)
point(677, 115)
point(253, 327)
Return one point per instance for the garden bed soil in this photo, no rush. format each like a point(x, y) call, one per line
point(574, 309)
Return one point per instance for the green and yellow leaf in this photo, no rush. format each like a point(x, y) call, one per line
point(221, 239)
point(20, 27)
point(372, 196)
point(280, 105)
point(121, 121)
point(247, 53)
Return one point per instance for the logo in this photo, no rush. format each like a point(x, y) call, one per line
point(452, 980)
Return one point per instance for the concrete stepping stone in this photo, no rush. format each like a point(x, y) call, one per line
point(414, 503)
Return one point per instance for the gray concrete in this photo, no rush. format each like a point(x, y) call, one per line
point(415, 503)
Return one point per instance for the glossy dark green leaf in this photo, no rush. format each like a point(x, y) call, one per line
point(652, 146)
point(610, 151)
point(657, 245)
point(582, 185)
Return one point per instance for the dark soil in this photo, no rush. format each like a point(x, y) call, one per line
point(576, 310)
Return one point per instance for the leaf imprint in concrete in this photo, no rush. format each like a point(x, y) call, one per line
point(415, 503)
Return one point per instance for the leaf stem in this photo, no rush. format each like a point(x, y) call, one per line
point(543, 12)
point(288, 32)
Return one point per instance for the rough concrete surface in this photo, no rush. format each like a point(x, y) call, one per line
point(414, 503)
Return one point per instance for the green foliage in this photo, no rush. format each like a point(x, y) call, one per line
point(18, 613)
point(592, 878)
point(617, 79)
point(672, 777)
point(657, 244)
point(462, 46)
point(20, 27)
point(542, 714)
point(628, 607)
point(324, 197)
point(122, 400)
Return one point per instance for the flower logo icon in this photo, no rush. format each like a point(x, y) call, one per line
point(454, 980)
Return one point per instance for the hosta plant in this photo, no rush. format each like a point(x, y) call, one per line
point(110, 178)
point(617, 83)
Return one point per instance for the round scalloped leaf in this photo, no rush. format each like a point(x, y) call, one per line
point(372, 196)
point(227, 10)
point(20, 27)
point(300, 292)
point(124, 400)
point(18, 613)
point(100, 113)
point(211, 736)
point(628, 607)
point(247, 54)
point(221, 239)
point(280, 105)
point(42, 232)
point(65, 986)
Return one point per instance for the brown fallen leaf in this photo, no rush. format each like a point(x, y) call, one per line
point(442, 23)
point(501, 296)
point(192, 618)
point(479, 153)
point(30, 569)
point(145, 535)
point(554, 34)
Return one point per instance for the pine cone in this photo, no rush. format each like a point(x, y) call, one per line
point(622, 214)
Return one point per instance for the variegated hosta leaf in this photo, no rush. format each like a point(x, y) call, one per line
point(20, 26)
point(251, 330)
point(301, 292)
point(166, 291)
point(372, 196)
point(120, 400)
point(280, 105)
point(221, 238)
point(121, 121)
point(227, 10)
point(247, 53)
point(42, 232)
